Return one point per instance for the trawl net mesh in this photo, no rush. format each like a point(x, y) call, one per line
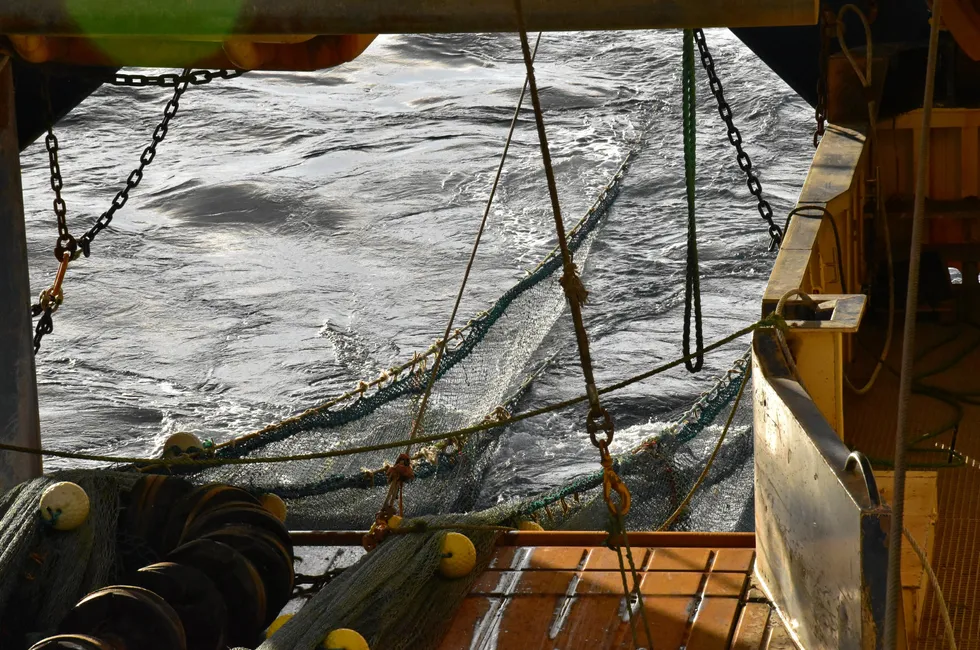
point(393, 595)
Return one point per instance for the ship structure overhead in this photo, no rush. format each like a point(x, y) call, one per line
point(850, 422)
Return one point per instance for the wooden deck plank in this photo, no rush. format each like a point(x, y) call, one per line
point(525, 624)
point(606, 559)
point(523, 583)
point(460, 634)
point(568, 558)
point(592, 622)
point(751, 630)
point(669, 618)
point(671, 583)
point(571, 598)
point(679, 559)
point(713, 624)
point(730, 585)
point(734, 559)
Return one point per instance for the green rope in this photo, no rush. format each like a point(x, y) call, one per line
point(771, 321)
point(692, 288)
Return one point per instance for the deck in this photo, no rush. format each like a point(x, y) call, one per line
point(551, 597)
point(952, 352)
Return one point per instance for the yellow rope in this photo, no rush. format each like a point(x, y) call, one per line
point(711, 459)
point(943, 610)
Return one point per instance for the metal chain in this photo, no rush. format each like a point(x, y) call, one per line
point(65, 241)
point(195, 78)
point(133, 181)
point(735, 137)
point(68, 247)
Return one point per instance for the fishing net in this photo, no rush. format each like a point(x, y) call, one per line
point(393, 595)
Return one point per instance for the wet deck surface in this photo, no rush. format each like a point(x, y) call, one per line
point(551, 598)
point(954, 352)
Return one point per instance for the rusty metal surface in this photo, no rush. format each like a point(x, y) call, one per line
point(276, 17)
point(820, 537)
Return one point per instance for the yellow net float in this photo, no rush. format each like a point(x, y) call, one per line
point(458, 556)
point(64, 505)
point(276, 624)
point(529, 525)
point(394, 522)
point(345, 639)
point(182, 443)
point(275, 505)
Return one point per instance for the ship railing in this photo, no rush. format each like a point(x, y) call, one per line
point(820, 525)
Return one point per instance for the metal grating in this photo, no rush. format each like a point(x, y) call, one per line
point(870, 423)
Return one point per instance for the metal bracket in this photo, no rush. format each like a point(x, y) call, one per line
point(859, 460)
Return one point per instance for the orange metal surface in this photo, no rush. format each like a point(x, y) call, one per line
point(570, 597)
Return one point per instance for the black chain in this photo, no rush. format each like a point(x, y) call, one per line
point(49, 301)
point(744, 162)
point(133, 181)
point(65, 243)
point(195, 78)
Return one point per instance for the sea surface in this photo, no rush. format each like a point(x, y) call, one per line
point(299, 232)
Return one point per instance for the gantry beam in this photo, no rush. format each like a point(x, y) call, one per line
point(221, 18)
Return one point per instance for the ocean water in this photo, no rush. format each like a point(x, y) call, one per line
point(299, 232)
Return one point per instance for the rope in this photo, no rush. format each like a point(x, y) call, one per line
point(416, 424)
point(781, 337)
point(825, 215)
point(943, 610)
point(571, 283)
point(711, 459)
point(893, 596)
point(866, 80)
point(765, 323)
point(692, 286)
point(391, 384)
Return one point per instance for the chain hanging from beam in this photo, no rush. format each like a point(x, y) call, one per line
point(735, 137)
point(67, 247)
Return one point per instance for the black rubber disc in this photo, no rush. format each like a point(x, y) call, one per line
point(128, 618)
point(238, 581)
point(194, 597)
point(73, 642)
point(270, 558)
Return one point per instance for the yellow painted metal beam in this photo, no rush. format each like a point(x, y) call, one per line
point(223, 18)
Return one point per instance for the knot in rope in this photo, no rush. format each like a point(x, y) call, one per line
point(572, 284)
point(499, 414)
point(401, 471)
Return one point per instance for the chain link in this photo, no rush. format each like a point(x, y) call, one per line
point(735, 137)
point(195, 78)
point(49, 300)
point(135, 176)
point(65, 241)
